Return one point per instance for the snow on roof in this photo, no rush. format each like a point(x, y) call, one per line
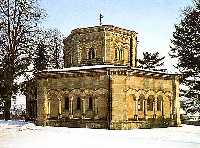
point(84, 68)
point(153, 71)
point(105, 66)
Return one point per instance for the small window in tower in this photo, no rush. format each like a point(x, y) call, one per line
point(91, 53)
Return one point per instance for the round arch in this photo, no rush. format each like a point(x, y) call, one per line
point(150, 102)
point(91, 53)
point(159, 102)
point(141, 100)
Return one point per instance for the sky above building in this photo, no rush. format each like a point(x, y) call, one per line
point(153, 20)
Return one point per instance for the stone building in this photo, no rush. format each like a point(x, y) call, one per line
point(100, 86)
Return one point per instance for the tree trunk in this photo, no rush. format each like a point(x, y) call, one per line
point(7, 107)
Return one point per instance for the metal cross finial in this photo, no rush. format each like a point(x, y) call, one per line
point(100, 19)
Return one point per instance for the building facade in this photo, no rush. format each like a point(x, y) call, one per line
point(100, 86)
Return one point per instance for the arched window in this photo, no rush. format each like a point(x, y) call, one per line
point(78, 103)
point(121, 54)
point(90, 106)
point(159, 102)
point(150, 101)
point(91, 54)
point(141, 103)
point(66, 103)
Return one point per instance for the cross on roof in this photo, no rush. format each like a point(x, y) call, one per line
point(100, 19)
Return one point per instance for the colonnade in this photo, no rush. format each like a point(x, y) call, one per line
point(149, 104)
point(74, 103)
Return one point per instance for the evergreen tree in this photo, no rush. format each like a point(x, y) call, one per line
point(48, 51)
point(186, 48)
point(18, 27)
point(55, 48)
point(41, 59)
point(151, 61)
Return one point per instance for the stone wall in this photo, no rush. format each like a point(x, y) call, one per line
point(111, 45)
point(119, 49)
point(132, 97)
point(42, 109)
point(127, 91)
point(53, 91)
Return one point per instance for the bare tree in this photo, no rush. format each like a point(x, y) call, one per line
point(18, 27)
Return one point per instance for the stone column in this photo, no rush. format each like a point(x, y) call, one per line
point(176, 100)
point(59, 109)
point(136, 109)
point(155, 108)
point(83, 108)
point(145, 108)
point(71, 108)
point(171, 108)
point(162, 108)
point(94, 106)
point(48, 108)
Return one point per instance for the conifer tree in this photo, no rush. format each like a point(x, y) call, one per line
point(151, 61)
point(41, 58)
point(186, 48)
point(55, 48)
point(48, 51)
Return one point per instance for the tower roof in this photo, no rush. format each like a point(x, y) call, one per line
point(103, 28)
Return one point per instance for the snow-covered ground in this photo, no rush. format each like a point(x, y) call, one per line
point(20, 134)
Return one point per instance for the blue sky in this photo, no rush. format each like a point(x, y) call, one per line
point(153, 20)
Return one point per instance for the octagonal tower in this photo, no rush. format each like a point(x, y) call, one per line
point(104, 44)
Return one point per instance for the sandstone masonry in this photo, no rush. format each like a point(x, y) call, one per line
point(100, 86)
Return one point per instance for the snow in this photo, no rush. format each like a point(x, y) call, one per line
point(84, 68)
point(104, 66)
point(20, 134)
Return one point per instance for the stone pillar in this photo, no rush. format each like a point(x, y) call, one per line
point(71, 108)
point(155, 108)
point(171, 108)
point(136, 109)
point(145, 108)
point(162, 107)
point(83, 108)
point(59, 109)
point(176, 100)
point(49, 108)
point(94, 107)
point(42, 102)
